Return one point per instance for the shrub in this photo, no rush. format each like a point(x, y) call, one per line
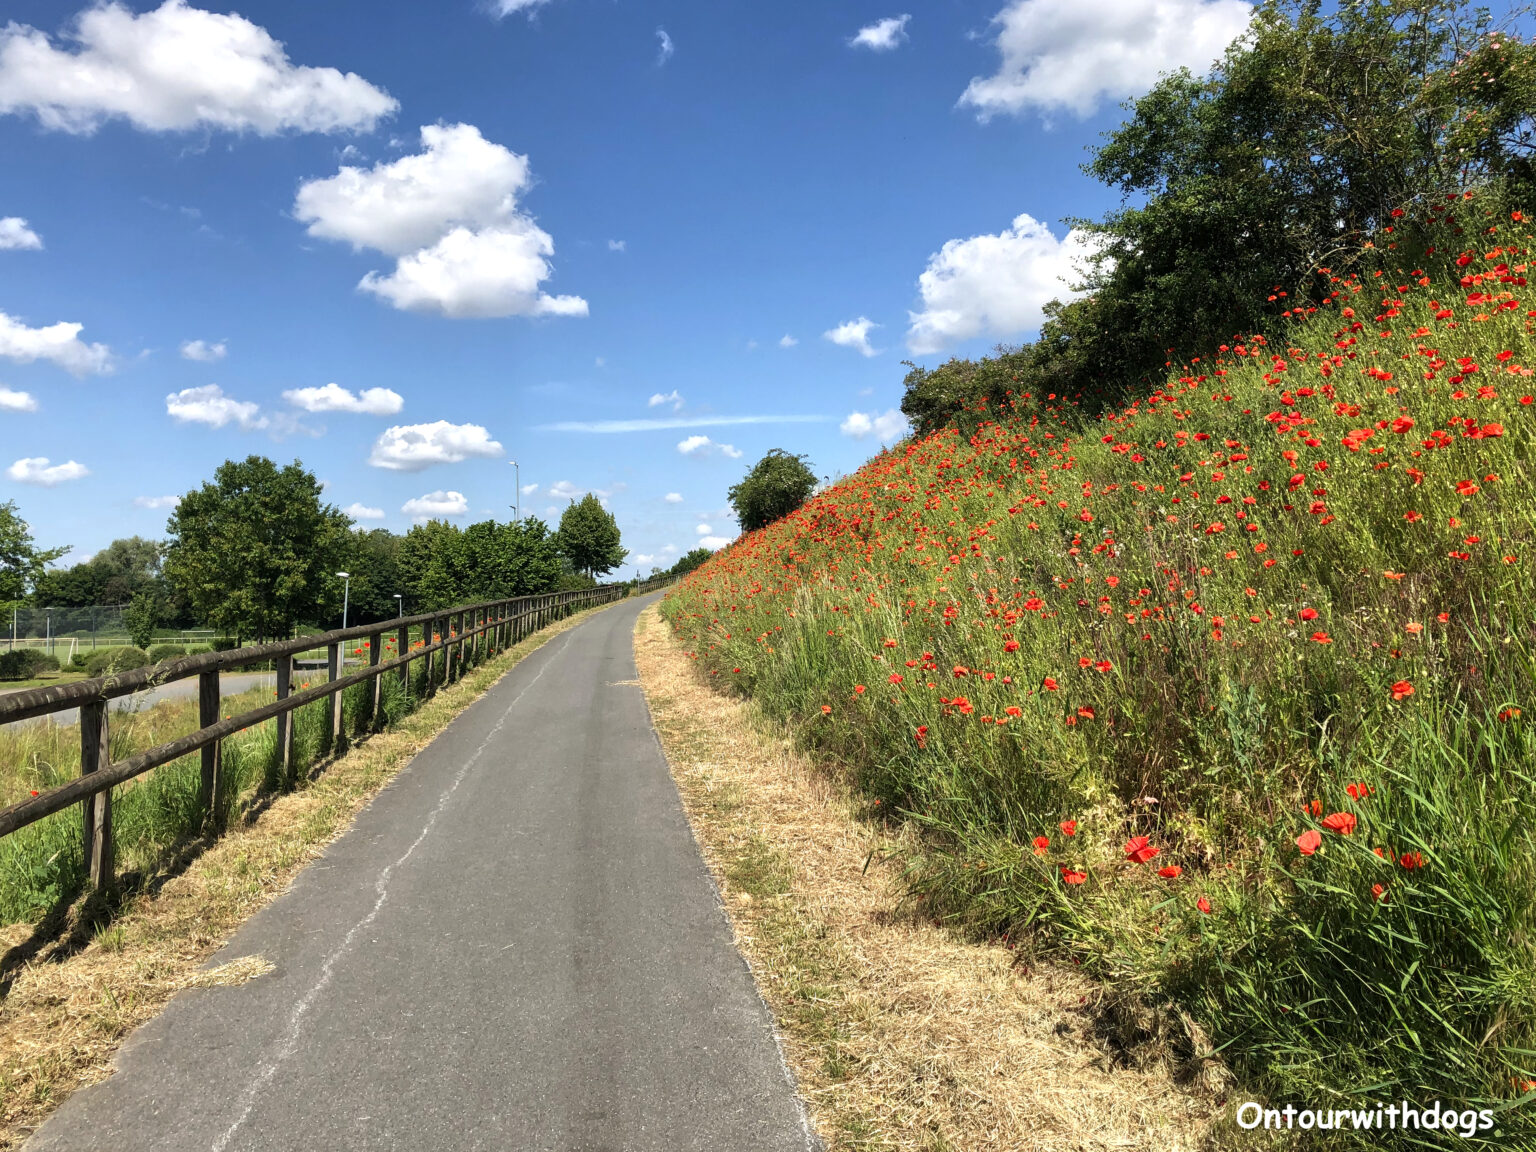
point(110, 661)
point(163, 652)
point(26, 663)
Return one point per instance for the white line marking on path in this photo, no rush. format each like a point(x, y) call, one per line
point(290, 1041)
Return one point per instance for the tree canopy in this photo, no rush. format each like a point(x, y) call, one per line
point(21, 562)
point(442, 565)
point(256, 550)
point(776, 485)
point(589, 537)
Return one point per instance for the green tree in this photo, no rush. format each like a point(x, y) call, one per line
point(777, 485)
point(688, 561)
point(373, 558)
point(589, 537)
point(255, 550)
point(141, 618)
point(431, 569)
point(21, 562)
point(115, 575)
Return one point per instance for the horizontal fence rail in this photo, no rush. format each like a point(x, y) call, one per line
point(490, 627)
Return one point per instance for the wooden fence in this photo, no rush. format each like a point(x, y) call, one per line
point(450, 638)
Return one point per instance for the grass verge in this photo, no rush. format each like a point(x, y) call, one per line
point(902, 1035)
point(73, 986)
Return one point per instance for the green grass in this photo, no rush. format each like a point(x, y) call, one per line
point(1197, 619)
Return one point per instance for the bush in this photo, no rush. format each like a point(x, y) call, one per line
point(77, 661)
point(26, 663)
point(109, 661)
point(223, 644)
point(162, 652)
point(198, 649)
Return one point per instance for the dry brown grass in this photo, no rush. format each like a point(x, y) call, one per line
point(901, 1035)
point(72, 991)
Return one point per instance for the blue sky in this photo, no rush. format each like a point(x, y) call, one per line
point(407, 243)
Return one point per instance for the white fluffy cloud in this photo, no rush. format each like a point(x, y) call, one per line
point(854, 334)
point(177, 69)
point(994, 284)
point(664, 47)
point(208, 405)
point(699, 447)
point(714, 543)
point(335, 398)
point(156, 501)
point(882, 35)
point(673, 497)
point(674, 398)
point(1075, 55)
point(787, 341)
point(887, 427)
point(59, 342)
point(616, 245)
point(412, 447)
point(203, 352)
point(36, 470)
point(449, 216)
point(12, 401)
point(703, 529)
point(436, 504)
point(14, 234)
point(360, 511)
point(507, 7)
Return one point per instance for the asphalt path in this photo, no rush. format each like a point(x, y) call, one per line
point(516, 946)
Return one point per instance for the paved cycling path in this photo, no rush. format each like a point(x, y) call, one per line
point(516, 948)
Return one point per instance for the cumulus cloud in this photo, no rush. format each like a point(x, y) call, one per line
point(504, 8)
point(616, 245)
point(209, 405)
point(59, 342)
point(674, 398)
point(703, 529)
point(36, 470)
point(203, 352)
point(699, 447)
point(436, 504)
point(449, 216)
point(335, 398)
point(156, 501)
point(12, 401)
point(787, 341)
point(412, 447)
point(714, 543)
point(673, 497)
point(883, 35)
point(15, 235)
point(177, 69)
point(360, 511)
point(887, 427)
point(1075, 55)
point(994, 284)
point(664, 48)
point(529, 489)
point(854, 334)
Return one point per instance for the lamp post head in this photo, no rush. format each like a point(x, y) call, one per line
point(345, 575)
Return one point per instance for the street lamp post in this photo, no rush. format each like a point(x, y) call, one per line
point(48, 616)
point(346, 596)
point(399, 605)
point(517, 491)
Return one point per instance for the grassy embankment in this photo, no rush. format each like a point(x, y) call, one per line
point(1226, 694)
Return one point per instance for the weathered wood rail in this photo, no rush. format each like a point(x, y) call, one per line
point(449, 639)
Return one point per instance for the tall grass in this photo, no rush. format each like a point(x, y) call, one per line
point(1287, 597)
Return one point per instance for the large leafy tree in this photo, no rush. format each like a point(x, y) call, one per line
point(256, 550)
point(776, 485)
point(442, 565)
point(121, 571)
point(589, 537)
point(21, 561)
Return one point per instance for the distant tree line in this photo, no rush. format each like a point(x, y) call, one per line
point(1316, 132)
point(256, 552)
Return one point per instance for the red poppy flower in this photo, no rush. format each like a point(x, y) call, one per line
point(1204, 905)
point(1050, 685)
point(896, 678)
point(859, 688)
point(1358, 792)
point(1309, 613)
point(1014, 710)
point(1322, 638)
point(1309, 841)
point(1402, 424)
point(1402, 690)
point(1068, 827)
point(1070, 877)
point(1138, 851)
point(826, 709)
point(961, 670)
point(1041, 844)
point(1341, 822)
point(1170, 872)
point(1466, 487)
point(1010, 646)
point(1379, 892)
point(921, 736)
point(1411, 860)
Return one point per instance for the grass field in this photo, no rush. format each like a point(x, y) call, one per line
point(1225, 694)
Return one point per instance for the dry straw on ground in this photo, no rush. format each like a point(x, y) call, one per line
point(73, 991)
point(901, 1035)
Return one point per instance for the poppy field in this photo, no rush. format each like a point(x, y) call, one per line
point(1225, 693)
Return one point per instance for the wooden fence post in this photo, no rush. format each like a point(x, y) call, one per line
point(211, 791)
point(402, 647)
point(375, 685)
point(94, 750)
point(284, 721)
point(333, 701)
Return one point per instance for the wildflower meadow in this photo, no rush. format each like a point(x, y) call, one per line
point(1226, 692)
